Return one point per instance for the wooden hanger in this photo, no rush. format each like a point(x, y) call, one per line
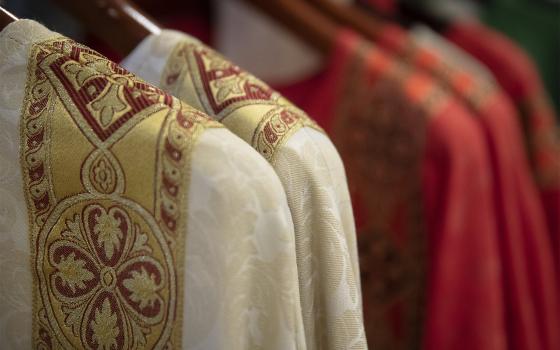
point(304, 20)
point(6, 18)
point(352, 17)
point(372, 26)
point(119, 23)
point(414, 13)
point(410, 12)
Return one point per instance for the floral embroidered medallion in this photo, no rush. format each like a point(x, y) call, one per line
point(105, 159)
point(246, 105)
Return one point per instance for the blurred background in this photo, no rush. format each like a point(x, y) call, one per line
point(533, 24)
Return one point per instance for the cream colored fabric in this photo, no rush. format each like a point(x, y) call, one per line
point(313, 177)
point(241, 288)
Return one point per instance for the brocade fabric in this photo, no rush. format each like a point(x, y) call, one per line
point(532, 290)
point(304, 159)
point(533, 294)
point(420, 177)
point(132, 220)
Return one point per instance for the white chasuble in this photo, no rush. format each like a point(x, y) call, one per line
point(305, 160)
point(128, 219)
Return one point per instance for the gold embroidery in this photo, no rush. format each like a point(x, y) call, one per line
point(275, 128)
point(106, 252)
point(246, 105)
point(380, 131)
point(265, 120)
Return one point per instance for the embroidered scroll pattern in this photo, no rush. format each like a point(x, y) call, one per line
point(107, 254)
point(224, 89)
point(275, 128)
point(380, 132)
point(464, 82)
point(310, 171)
point(477, 87)
point(542, 136)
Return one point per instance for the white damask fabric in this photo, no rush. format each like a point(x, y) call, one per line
point(306, 162)
point(240, 275)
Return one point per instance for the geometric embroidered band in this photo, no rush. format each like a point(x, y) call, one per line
point(106, 164)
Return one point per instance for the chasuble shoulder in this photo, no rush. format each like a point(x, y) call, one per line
point(517, 191)
point(305, 160)
point(419, 176)
point(149, 224)
point(519, 210)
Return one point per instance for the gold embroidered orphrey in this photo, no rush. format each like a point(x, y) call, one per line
point(236, 98)
point(380, 130)
point(105, 160)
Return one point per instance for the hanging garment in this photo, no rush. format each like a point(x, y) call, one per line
point(304, 159)
point(539, 254)
point(133, 220)
point(420, 179)
point(519, 78)
point(532, 294)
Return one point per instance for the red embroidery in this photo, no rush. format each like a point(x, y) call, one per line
point(243, 90)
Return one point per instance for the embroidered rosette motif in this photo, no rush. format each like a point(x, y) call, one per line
point(233, 96)
point(105, 159)
point(105, 277)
